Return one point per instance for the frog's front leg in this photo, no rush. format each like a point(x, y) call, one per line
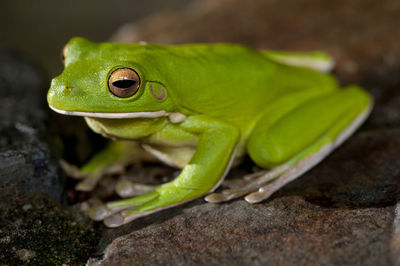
point(209, 164)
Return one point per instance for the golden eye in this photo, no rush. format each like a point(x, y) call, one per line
point(123, 82)
point(64, 53)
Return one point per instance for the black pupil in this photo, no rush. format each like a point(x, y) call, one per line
point(124, 83)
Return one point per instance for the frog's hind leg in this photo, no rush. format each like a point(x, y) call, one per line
point(302, 165)
point(330, 121)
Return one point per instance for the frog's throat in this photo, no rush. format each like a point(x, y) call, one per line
point(152, 114)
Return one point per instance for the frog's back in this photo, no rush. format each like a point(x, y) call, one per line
point(233, 82)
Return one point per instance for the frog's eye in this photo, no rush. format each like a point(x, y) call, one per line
point(64, 54)
point(123, 82)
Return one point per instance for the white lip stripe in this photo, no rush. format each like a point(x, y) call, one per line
point(113, 115)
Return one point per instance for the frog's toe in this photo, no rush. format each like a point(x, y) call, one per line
point(120, 215)
point(126, 189)
point(215, 198)
point(88, 181)
point(122, 218)
point(88, 184)
point(258, 196)
point(71, 170)
point(130, 209)
point(238, 183)
point(226, 195)
point(114, 221)
point(112, 212)
point(100, 212)
point(250, 183)
point(253, 196)
point(236, 188)
point(128, 215)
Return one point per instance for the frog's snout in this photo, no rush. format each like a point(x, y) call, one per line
point(57, 92)
point(57, 87)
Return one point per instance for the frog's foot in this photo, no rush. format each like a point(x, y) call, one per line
point(290, 174)
point(117, 213)
point(72, 170)
point(92, 178)
point(126, 189)
point(88, 182)
point(246, 185)
point(89, 179)
point(111, 160)
point(264, 183)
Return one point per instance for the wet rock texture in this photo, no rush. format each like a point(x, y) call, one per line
point(34, 229)
point(26, 167)
point(344, 211)
point(43, 233)
point(284, 231)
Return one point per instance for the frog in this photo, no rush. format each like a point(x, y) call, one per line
point(203, 108)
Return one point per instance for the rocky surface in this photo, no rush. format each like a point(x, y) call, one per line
point(34, 228)
point(344, 211)
point(285, 231)
point(41, 232)
point(26, 167)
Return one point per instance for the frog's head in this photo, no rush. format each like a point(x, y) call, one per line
point(110, 80)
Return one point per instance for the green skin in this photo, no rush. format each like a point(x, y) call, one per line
point(231, 100)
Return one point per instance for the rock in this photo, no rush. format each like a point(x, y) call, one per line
point(26, 166)
point(341, 212)
point(383, 82)
point(46, 234)
point(33, 228)
point(395, 244)
point(26, 254)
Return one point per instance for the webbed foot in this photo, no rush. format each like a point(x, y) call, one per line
point(249, 184)
point(117, 213)
point(126, 189)
point(89, 178)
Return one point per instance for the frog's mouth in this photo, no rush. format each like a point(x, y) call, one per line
point(151, 114)
point(174, 117)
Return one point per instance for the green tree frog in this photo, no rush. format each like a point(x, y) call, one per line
point(201, 107)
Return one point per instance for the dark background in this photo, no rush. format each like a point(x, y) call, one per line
point(40, 28)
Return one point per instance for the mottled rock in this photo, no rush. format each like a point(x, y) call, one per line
point(34, 230)
point(395, 244)
point(25, 254)
point(45, 234)
point(26, 167)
